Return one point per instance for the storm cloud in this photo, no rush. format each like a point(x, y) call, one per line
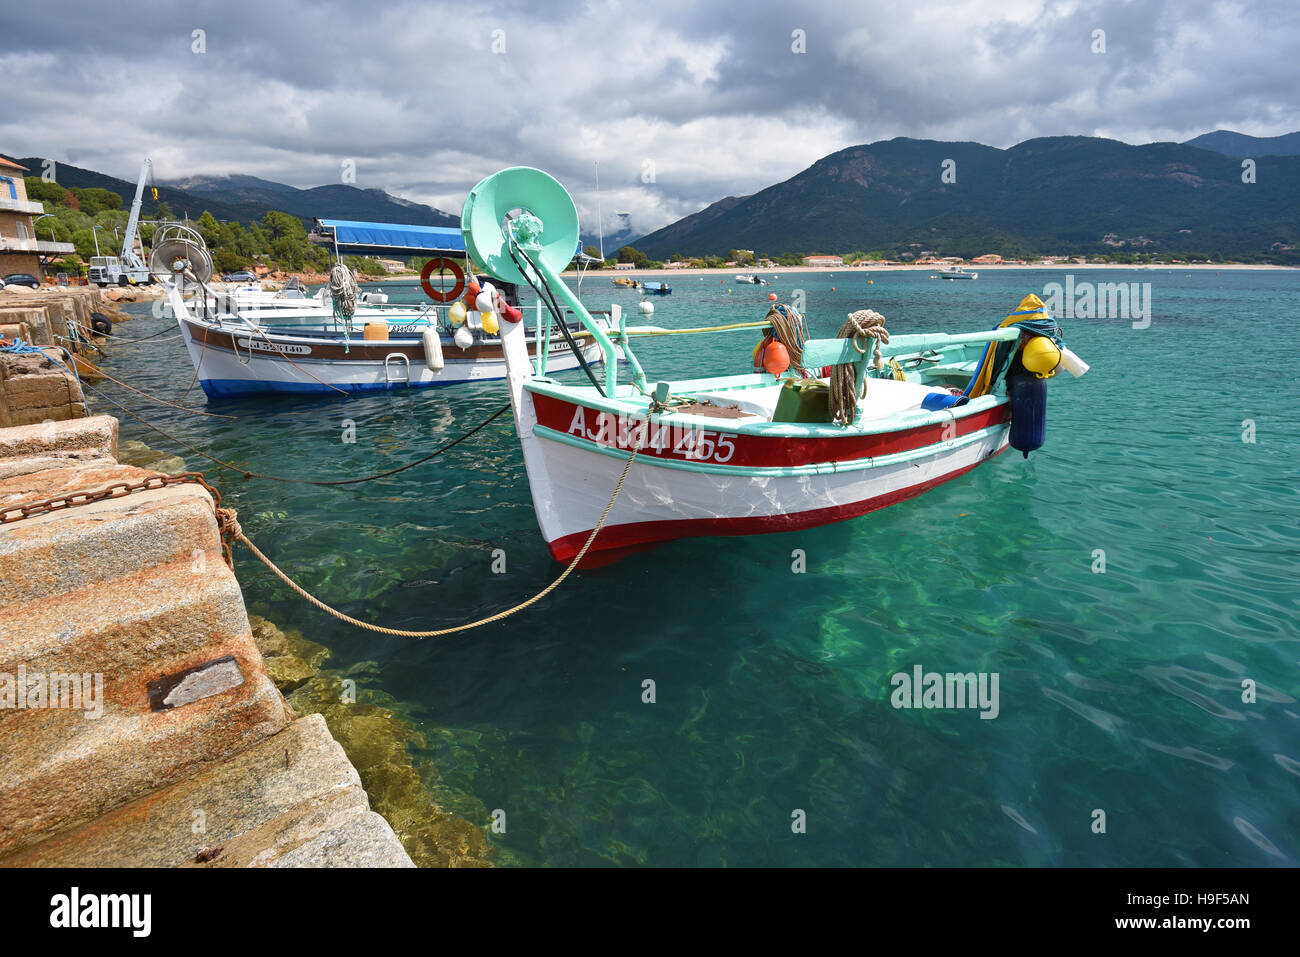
point(680, 103)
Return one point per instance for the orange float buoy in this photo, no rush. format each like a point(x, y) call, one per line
point(776, 358)
point(771, 296)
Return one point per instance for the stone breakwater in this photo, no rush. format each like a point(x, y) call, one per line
point(41, 387)
point(145, 729)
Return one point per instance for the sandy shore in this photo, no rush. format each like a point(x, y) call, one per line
point(990, 270)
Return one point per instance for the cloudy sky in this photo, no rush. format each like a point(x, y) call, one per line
point(679, 102)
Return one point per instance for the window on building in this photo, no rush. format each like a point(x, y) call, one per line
point(22, 230)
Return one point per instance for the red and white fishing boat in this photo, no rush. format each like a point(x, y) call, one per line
point(742, 454)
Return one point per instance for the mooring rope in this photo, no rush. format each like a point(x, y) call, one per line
point(229, 530)
point(229, 526)
point(98, 370)
point(293, 480)
point(844, 394)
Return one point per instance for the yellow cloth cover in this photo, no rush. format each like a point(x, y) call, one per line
point(1029, 306)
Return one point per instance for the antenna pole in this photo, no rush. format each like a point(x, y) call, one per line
point(600, 226)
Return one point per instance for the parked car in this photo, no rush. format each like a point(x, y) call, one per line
point(22, 279)
point(242, 276)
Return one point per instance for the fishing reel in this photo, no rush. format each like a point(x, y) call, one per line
point(523, 208)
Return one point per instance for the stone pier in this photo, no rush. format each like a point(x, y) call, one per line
point(40, 387)
point(138, 726)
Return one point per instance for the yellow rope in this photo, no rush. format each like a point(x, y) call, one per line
point(231, 526)
point(682, 332)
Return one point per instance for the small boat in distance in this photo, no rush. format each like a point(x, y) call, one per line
point(957, 272)
point(656, 288)
point(751, 280)
point(626, 283)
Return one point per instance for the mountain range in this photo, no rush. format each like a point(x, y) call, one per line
point(1063, 195)
point(248, 198)
point(1241, 145)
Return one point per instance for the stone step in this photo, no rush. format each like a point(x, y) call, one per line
point(174, 676)
point(92, 437)
point(292, 800)
point(133, 628)
point(67, 769)
point(76, 547)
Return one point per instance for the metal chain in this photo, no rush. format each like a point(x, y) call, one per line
point(229, 530)
point(17, 513)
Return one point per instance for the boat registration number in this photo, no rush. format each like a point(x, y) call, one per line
point(563, 346)
point(259, 345)
point(671, 441)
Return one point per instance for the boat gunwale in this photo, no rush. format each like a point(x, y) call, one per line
point(780, 471)
point(638, 406)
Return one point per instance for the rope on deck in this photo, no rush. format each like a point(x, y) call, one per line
point(844, 394)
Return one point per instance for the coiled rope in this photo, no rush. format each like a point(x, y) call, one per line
point(791, 329)
point(229, 526)
point(343, 287)
point(844, 394)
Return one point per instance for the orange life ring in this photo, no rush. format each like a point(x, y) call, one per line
point(442, 265)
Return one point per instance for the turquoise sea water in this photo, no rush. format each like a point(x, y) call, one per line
point(1119, 691)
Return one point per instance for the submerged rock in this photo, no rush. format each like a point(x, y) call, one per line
point(134, 452)
point(378, 742)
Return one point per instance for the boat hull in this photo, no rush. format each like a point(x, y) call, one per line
point(666, 496)
point(241, 362)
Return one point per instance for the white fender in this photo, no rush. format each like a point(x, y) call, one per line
point(433, 350)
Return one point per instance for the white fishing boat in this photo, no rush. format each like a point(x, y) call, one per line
point(615, 467)
point(751, 280)
point(244, 351)
point(957, 272)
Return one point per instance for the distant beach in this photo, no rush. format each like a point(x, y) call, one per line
point(785, 270)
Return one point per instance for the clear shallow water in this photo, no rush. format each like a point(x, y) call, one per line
point(1119, 691)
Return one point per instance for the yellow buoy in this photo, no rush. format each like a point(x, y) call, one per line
point(1041, 356)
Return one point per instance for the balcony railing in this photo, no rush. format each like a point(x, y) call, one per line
point(8, 205)
point(11, 244)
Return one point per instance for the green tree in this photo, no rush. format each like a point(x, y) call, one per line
point(278, 225)
point(94, 200)
point(210, 229)
point(39, 189)
point(227, 260)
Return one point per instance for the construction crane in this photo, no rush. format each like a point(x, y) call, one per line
point(130, 269)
